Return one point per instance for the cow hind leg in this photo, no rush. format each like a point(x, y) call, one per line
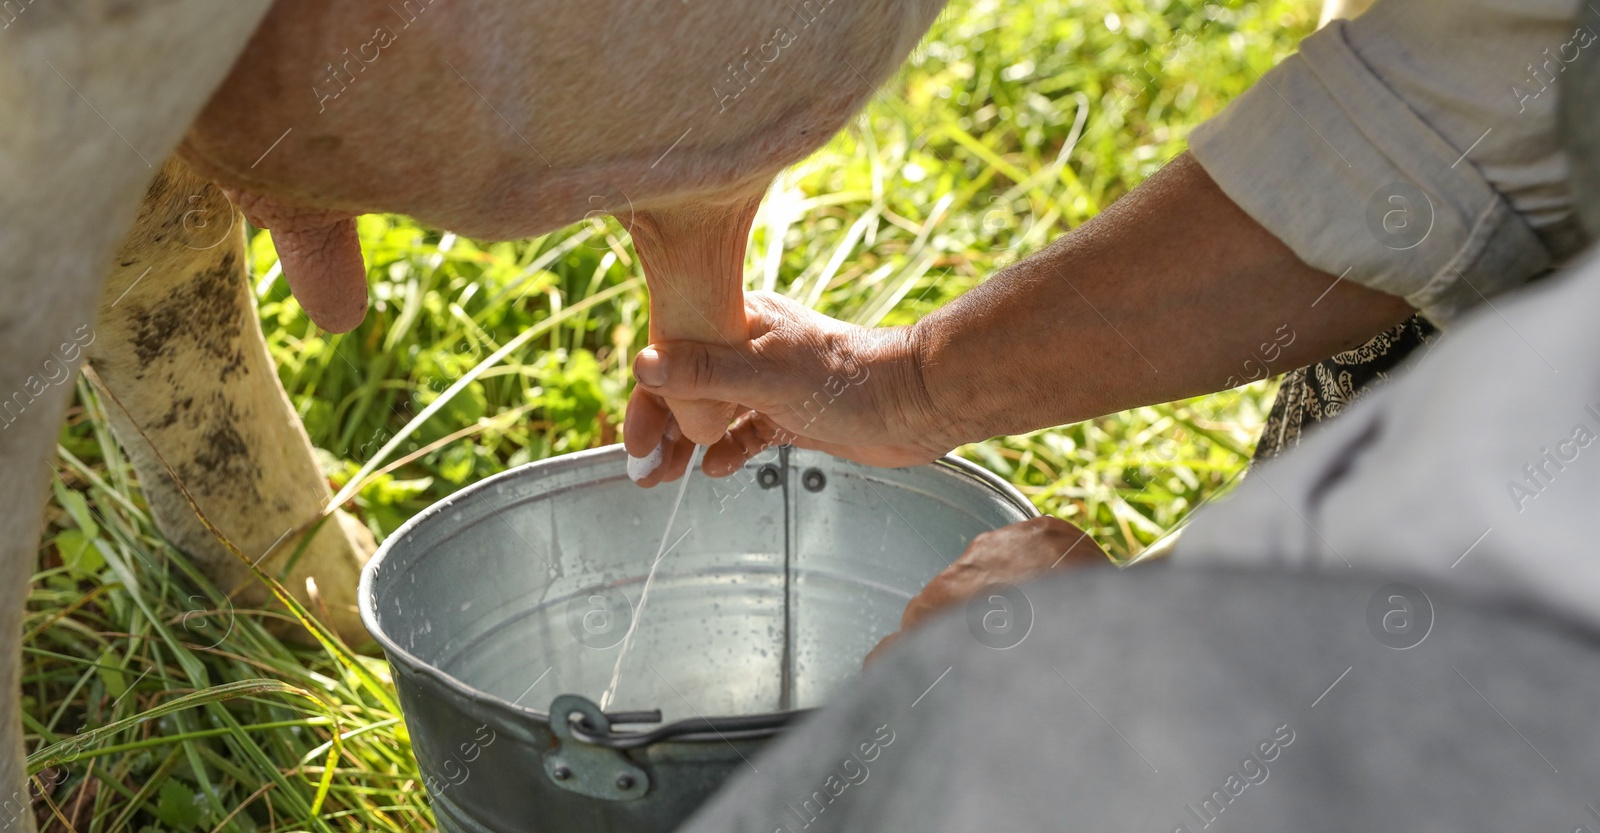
point(38, 322)
point(179, 348)
point(89, 88)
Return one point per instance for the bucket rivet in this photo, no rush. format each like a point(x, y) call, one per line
point(814, 480)
point(562, 772)
point(767, 476)
point(624, 781)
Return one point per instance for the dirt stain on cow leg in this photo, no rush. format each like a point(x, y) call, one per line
point(220, 462)
point(204, 311)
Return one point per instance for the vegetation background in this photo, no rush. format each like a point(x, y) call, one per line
point(151, 704)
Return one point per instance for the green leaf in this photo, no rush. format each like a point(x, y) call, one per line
point(81, 555)
point(72, 501)
point(180, 807)
point(115, 682)
point(387, 490)
point(457, 462)
point(572, 388)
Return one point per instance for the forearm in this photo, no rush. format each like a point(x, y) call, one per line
point(1166, 294)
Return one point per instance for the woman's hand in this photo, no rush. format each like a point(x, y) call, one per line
point(1011, 554)
point(803, 379)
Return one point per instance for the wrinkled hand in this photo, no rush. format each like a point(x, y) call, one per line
point(803, 379)
point(1011, 554)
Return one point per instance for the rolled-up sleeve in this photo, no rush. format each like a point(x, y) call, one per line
point(1414, 150)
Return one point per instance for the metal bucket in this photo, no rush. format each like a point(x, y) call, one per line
point(516, 593)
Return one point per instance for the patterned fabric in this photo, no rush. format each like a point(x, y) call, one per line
point(1323, 390)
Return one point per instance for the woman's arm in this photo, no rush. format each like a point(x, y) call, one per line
point(1171, 292)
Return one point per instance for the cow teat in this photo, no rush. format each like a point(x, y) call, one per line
point(693, 257)
point(321, 256)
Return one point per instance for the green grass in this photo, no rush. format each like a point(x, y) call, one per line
point(1014, 123)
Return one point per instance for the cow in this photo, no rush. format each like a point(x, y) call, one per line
point(493, 118)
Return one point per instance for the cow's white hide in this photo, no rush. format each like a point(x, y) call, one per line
point(96, 94)
point(193, 388)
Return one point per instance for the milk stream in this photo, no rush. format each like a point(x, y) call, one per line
point(644, 597)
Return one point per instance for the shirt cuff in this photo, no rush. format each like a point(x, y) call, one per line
point(1332, 162)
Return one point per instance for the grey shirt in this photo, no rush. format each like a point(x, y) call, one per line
point(1477, 465)
point(1415, 149)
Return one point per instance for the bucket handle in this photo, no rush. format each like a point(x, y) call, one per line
point(691, 730)
point(585, 768)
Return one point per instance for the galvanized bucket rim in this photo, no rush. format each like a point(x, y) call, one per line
point(578, 458)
